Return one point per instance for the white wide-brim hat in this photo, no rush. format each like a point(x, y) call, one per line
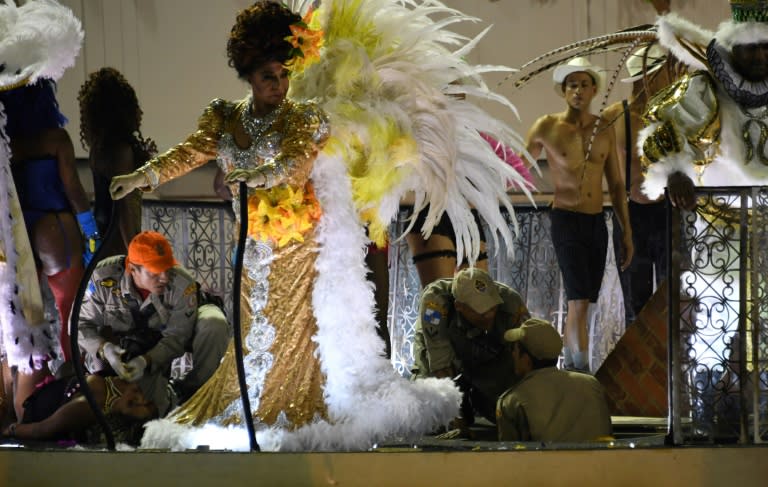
point(654, 59)
point(576, 65)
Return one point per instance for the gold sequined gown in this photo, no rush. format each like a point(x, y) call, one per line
point(284, 379)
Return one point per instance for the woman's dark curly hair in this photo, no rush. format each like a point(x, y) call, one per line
point(258, 37)
point(109, 110)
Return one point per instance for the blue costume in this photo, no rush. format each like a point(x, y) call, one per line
point(40, 188)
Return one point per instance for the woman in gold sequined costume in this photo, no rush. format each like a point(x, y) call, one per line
point(271, 143)
point(319, 176)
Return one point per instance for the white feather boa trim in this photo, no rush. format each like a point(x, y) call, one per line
point(672, 27)
point(657, 173)
point(731, 33)
point(367, 401)
point(24, 346)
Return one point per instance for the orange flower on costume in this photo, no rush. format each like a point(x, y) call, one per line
point(282, 214)
point(306, 44)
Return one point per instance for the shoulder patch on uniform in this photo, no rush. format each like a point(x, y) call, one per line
point(433, 315)
point(435, 305)
point(192, 288)
point(108, 282)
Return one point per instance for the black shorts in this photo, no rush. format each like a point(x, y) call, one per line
point(581, 244)
point(444, 226)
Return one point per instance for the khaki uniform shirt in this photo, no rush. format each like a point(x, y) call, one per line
point(553, 405)
point(444, 339)
point(106, 304)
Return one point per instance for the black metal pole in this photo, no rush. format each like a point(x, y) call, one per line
point(673, 238)
point(74, 318)
point(238, 344)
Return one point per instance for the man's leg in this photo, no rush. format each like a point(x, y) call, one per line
point(576, 333)
point(212, 335)
point(64, 285)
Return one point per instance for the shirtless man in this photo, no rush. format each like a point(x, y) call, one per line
point(578, 157)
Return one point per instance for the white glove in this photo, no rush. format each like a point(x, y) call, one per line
point(253, 178)
point(123, 185)
point(134, 368)
point(112, 354)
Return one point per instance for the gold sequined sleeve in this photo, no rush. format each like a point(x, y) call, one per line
point(686, 112)
point(305, 130)
point(199, 148)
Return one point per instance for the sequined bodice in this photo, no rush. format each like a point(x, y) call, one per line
point(264, 146)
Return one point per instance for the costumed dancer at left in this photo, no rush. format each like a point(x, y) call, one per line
point(45, 208)
point(368, 118)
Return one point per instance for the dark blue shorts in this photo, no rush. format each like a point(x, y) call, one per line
point(581, 244)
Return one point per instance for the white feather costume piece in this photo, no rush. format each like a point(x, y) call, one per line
point(672, 29)
point(729, 162)
point(402, 72)
point(731, 33)
point(39, 39)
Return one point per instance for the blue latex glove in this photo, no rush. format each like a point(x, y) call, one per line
point(90, 233)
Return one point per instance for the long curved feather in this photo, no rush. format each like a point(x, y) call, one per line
point(585, 47)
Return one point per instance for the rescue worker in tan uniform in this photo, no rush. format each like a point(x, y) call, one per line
point(143, 310)
point(460, 334)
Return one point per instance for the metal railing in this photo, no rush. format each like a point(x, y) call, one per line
point(201, 234)
point(718, 301)
point(717, 315)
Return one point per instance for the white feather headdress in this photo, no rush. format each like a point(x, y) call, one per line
point(39, 39)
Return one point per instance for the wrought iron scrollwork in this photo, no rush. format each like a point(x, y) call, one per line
point(718, 369)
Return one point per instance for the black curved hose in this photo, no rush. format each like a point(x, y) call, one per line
point(239, 256)
point(74, 318)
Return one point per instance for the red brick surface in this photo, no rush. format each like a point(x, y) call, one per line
point(634, 374)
